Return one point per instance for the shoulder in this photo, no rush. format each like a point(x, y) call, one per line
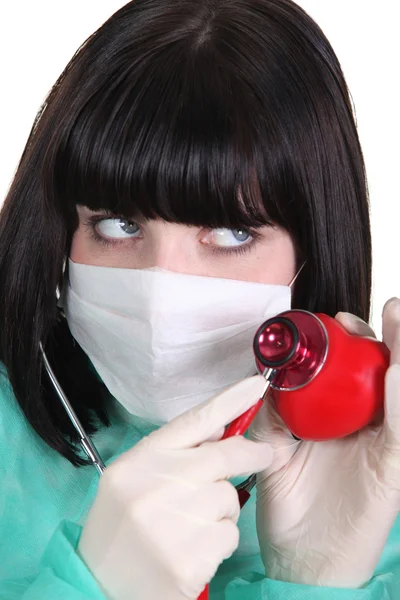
point(16, 433)
point(11, 415)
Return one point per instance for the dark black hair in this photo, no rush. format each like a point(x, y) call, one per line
point(170, 108)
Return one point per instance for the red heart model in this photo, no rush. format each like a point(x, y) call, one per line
point(346, 395)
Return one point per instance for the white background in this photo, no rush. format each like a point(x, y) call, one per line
point(38, 38)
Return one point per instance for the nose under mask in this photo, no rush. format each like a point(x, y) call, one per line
point(163, 342)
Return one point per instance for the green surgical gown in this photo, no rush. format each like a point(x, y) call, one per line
point(44, 501)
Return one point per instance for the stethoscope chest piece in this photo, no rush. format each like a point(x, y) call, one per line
point(295, 345)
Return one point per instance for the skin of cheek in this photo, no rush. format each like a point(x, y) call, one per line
point(176, 247)
point(271, 261)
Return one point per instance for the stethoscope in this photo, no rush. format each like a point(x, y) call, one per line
point(90, 449)
point(236, 428)
point(291, 350)
point(85, 441)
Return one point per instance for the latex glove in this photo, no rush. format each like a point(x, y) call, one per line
point(165, 517)
point(325, 509)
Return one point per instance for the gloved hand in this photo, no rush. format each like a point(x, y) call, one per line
point(165, 517)
point(325, 509)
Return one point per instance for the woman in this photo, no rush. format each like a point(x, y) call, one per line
point(189, 160)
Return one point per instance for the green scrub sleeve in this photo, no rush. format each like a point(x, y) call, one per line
point(246, 581)
point(381, 587)
point(62, 574)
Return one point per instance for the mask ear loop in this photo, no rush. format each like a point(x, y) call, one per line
point(58, 291)
point(297, 274)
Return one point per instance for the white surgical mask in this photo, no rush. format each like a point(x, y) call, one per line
point(163, 342)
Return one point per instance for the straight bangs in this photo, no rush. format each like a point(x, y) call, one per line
point(178, 138)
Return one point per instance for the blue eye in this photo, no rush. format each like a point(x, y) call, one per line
point(114, 229)
point(241, 235)
point(228, 237)
point(118, 228)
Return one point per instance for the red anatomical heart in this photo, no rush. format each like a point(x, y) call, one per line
point(346, 395)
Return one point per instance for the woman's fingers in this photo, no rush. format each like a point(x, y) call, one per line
point(354, 324)
point(214, 501)
point(390, 434)
point(206, 420)
point(268, 427)
point(233, 457)
point(390, 328)
point(391, 426)
point(395, 346)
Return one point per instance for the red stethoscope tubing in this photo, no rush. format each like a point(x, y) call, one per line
point(238, 427)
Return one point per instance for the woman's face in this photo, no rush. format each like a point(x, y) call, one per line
point(266, 256)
